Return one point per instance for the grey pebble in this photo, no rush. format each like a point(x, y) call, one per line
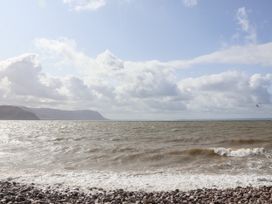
point(13, 192)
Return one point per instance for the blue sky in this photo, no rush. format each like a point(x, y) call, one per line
point(139, 59)
point(134, 30)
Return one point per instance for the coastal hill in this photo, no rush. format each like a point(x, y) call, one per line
point(25, 113)
point(16, 113)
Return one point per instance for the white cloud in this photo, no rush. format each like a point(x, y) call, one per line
point(80, 5)
point(245, 25)
point(109, 61)
point(92, 5)
point(262, 87)
point(231, 90)
point(252, 54)
point(64, 51)
point(112, 85)
point(153, 85)
point(190, 3)
point(20, 81)
point(112, 77)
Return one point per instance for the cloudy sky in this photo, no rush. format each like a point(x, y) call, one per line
point(139, 59)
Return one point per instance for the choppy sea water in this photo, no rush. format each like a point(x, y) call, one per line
point(137, 155)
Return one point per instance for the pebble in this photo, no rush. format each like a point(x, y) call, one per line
point(13, 192)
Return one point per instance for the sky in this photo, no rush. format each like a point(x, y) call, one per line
point(139, 59)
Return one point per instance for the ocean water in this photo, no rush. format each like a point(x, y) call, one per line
point(137, 155)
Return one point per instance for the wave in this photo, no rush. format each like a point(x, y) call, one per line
point(221, 151)
point(243, 152)
point(200, 152)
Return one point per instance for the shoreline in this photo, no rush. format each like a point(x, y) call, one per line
point(15, 192)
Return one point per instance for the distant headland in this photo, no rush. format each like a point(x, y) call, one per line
point(8, 112)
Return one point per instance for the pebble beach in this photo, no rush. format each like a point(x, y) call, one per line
point(14, 192)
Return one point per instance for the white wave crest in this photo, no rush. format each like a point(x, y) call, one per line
point(243, 152)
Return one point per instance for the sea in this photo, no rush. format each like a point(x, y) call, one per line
point(135, 156)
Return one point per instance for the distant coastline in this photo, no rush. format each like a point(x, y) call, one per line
point(9, 112)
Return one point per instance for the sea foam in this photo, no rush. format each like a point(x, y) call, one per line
point(156, 181)
point(242, 152)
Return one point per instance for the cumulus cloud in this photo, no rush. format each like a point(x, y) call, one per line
point(15, 74)
point(262, 88)
point(80, 5)
point(190, 3)
point(245, 25)
point(22, 82)
point(119, 81)
point(113, 85)
point(227, 90)
point(19, 80)
point(153, 85)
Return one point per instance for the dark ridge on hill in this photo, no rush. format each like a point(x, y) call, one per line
point(55, 114)
point(16, 113)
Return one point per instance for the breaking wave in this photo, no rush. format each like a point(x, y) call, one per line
point(221, 151)
point(243, 152)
